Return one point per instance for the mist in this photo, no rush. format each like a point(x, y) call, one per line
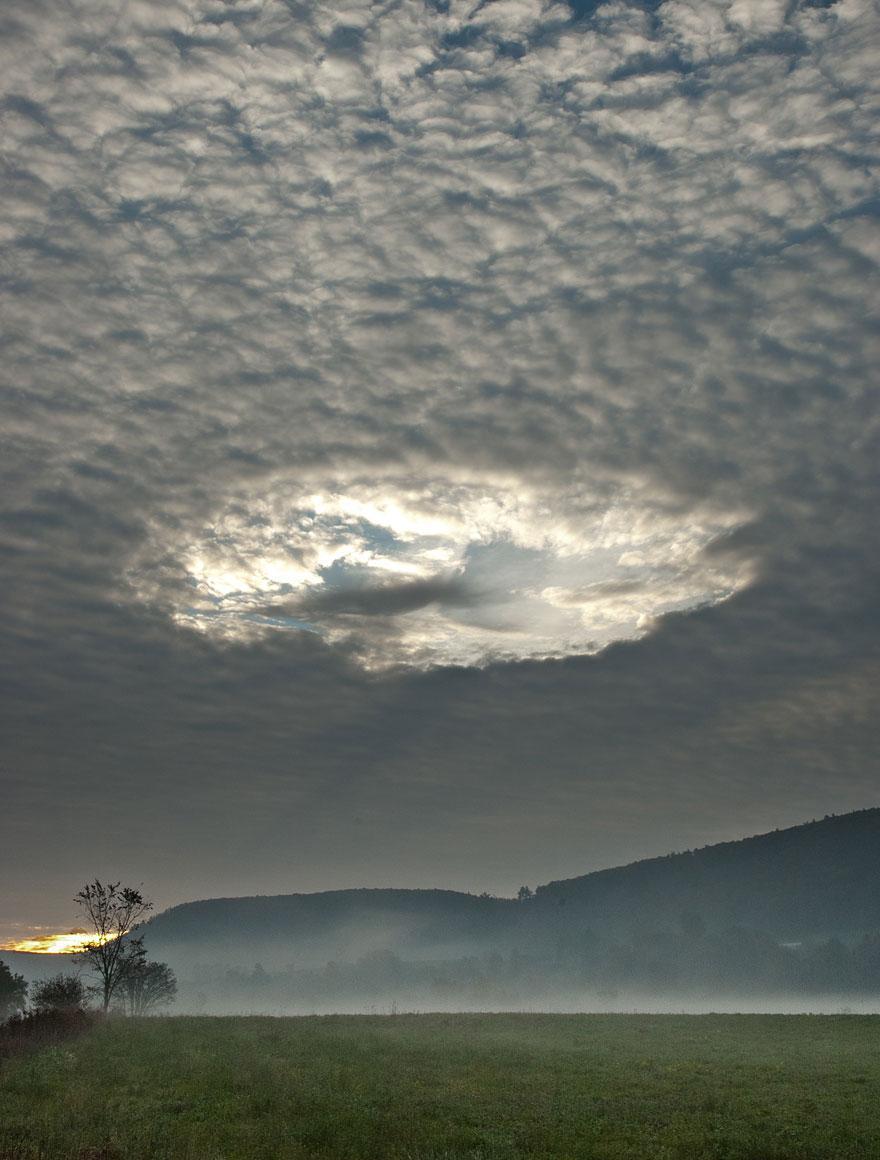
point(787, 921)
point(821, 981)
point(387, 966)
point(450, 987)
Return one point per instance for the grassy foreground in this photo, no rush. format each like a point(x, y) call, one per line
point(450, 1087)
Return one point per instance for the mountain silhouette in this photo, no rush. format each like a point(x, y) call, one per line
point(808, 882)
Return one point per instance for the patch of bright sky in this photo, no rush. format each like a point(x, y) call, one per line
point(54, 943)
point(509, 573)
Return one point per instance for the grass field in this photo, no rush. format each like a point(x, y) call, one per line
point(450, 1087)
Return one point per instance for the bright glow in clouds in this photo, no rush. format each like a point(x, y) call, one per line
point(439, 572)
point(63, 943)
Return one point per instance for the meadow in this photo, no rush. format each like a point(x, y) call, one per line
point(451, 1087)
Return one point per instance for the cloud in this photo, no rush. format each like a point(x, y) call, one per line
point(566, 308)
point(491, 572)
point(390, 598)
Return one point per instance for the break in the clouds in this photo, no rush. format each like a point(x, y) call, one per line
point(347, 346)
point(422, 571)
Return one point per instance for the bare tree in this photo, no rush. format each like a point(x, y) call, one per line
point(114, 912)
point(145, 986)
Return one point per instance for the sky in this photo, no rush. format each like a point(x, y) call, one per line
point(439, 439)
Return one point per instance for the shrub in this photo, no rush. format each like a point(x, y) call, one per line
point(60, 993)
point(41, 1028)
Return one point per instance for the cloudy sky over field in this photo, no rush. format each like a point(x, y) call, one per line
point(439, 438)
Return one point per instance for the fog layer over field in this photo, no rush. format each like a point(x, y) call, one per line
point(194, 1001)
point(660, 972)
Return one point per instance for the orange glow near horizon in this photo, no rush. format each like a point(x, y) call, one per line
point(62, 943)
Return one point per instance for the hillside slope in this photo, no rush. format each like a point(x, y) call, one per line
point(806, 882)
point(335, 925)
point(809, 881)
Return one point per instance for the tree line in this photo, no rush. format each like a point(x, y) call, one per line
point(689, 961)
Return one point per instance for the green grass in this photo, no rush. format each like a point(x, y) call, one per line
point(452, 1087)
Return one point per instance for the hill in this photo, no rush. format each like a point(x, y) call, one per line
point(337, 925)
point(804, 883)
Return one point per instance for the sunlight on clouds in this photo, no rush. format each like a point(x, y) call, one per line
point(56, 943)
point(438, 572)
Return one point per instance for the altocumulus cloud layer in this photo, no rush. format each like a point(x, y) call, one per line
point(371, 370)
